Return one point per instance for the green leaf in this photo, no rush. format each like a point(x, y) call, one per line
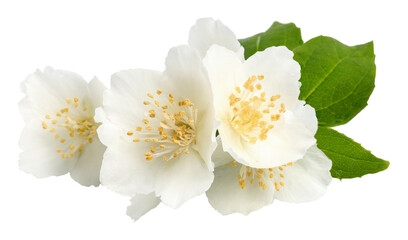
point(349, 158)
point(277, 35)
point(337, 80)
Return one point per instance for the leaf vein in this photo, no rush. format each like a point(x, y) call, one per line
point(325, 77)
point(258, 41)
point(355, 159)
point(346, 96)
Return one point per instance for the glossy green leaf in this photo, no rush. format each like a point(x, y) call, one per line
point(277, 35)
point(349, 158)
point(337, 80)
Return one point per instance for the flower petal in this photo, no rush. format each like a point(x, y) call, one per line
point(188, 79)
point(108, 133)
point(281, 73)
point(141, 204)
point(307, 115)
point(227, 196)
point(220, 157)
point(225, 72)
point(125, 170)
point(87, 169)
point(182, 179)
point(95, 92)
point(234, 144)
point(122, 103)
point(307, 179)
point(26, 109)
point(47, 91)
point(39, 156)
point(205, 138)
point(187, 76)
point(208, 31)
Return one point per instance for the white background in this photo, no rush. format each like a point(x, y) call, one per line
point(102, 37)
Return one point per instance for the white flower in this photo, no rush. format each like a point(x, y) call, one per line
point(243, 189)
point(60, 134)
point(160, 130)
point(263, 124)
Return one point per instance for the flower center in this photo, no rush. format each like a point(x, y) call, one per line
point(263, 176)
point(72, 132)
point(252, 115)
point(169, 126)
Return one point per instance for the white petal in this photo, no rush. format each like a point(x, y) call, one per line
point(47, 91)
point(141, 204)
point(306, 114)
point(225, 72)
point(95, 92)
point(281, 73)
point(87, 169)
point(99, 115)
point(24, 105)
point(108, 133)
point(187, 76)
point(125, 169)
point(220, 157)
point(39, 156)
point(307, 179)
point(207, 32)
point(188, 79)
point(182, 179)
point(26, 109)
point(227, 196)
point(123, 103)
point(235, 145)
point(206, 142)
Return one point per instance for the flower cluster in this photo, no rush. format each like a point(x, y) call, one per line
point(211, 122)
